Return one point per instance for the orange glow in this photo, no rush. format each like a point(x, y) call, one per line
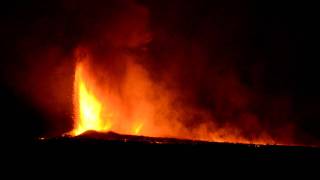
point(138, 106)
point(137, 129)
point(87, 106)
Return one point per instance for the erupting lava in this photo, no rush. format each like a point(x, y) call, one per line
point(136, 114)
point(101, 114)
point(87, 106)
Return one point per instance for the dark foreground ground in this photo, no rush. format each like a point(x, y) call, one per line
point(112, 155)
point(114, 147)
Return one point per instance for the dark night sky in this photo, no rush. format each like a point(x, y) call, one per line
point(268, 46)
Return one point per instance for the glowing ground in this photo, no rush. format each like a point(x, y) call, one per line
point(105, 144)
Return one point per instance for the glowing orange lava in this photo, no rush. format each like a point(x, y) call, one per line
point(141, 107)
point(87, 106)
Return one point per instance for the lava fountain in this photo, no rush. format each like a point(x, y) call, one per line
point(87, 106)
point(141, 107)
